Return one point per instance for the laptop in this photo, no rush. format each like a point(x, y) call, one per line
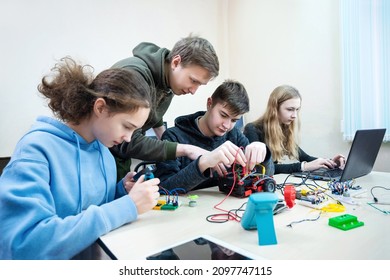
point(360, 161)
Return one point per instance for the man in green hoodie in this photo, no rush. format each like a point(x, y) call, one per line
point(192, 62)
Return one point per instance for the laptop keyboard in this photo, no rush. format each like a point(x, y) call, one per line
point(329, 172)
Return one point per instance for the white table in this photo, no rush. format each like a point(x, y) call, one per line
point(157, 230)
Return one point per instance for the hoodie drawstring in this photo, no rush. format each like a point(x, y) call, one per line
point(80, 207)
point(104, 171)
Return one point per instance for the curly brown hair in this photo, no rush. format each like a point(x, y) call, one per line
point(72, 90)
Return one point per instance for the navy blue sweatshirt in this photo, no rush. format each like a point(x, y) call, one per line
point(183, 172)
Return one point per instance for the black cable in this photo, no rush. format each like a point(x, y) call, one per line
point(305, 220)
point(377, 187)
point(232, 214)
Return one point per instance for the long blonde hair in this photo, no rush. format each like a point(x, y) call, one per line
point(280, 138)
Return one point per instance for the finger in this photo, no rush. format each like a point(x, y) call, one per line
point(156, 194)
point(154, 182)
point(228, 156)
point(327, 164)
point(234, 150)
point(212, 170)
point(254, 157)
point(219, 170)
point(239, 156)
point(129, 176)
point(239, 152)
point(251, 165)
point(330, 163)
point(250, 160)
point(223, 169)
point(224, 156)
point(342, 164)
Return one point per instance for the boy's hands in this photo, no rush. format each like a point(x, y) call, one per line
point(255, 153)
point(222, 157)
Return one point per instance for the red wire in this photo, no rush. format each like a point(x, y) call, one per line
point(230, 215)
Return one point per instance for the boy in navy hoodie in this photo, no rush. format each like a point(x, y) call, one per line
point(213, 130)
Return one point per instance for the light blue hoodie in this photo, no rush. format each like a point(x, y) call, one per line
point(58, 194)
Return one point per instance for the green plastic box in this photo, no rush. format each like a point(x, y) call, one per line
point(345, 222)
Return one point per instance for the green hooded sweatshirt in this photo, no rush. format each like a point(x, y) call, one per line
point(149, 60)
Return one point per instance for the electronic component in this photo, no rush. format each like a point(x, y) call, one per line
point(148, 174)
point(192, 198)
point(244, 184)
point(316, 199)
point(148, 171)
point(171, 202)
point(279, 207)
point(340, 188)
point(313, 197)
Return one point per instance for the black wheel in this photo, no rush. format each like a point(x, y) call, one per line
point(269, 186)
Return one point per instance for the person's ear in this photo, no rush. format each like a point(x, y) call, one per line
point(176, 60)
point(209, 102)
point(99, 106)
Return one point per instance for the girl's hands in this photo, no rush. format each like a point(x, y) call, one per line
point(144, 193)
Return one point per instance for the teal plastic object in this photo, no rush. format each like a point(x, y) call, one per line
point(259, 215)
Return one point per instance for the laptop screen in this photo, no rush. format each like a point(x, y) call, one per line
point(360, 161)
point(363, 153)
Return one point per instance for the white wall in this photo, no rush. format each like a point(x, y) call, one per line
point(35, 34)
point(294, 42)
point(262, 43)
